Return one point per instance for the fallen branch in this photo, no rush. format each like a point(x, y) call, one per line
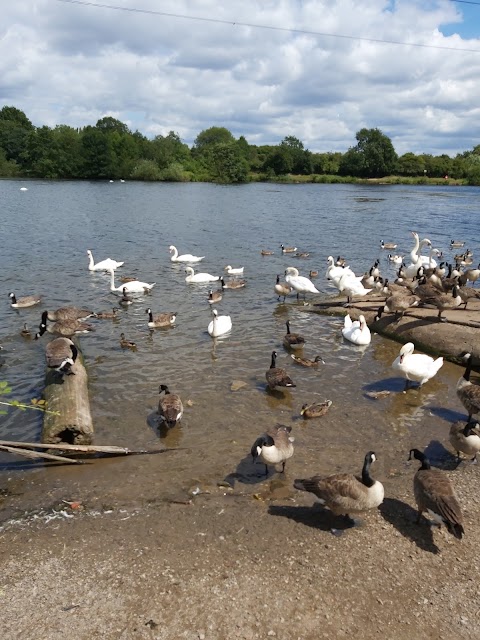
point(38, 454)
point(83, 448)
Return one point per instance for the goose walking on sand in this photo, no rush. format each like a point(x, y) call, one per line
point(275, 447)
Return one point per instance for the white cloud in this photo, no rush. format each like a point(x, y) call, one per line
point(73, 64)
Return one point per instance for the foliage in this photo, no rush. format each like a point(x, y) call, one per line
point(38, 404)
point(372, 157)
point(146, 170)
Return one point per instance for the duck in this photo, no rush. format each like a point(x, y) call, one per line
point(170, 407)
point(24, 302)
point(131, 287)
point(214, 296)
point(416, 367)
point(108, 315)
point(305, 362)
point(467, 392)
point(313, 274)
point(288, 249)
point(233, 284)
point(127, 344)
point(282, 289)
point(315, 409)
point(293, 340)
point(193, 277)
point(435, 495)
point(125, 279)
point(161, 320)
point(303, 254)
point(233, 272)
point(67, 313)
point(125, 300)
point(356, 331)
point(60, 354)
point(220, 325)
point(456, 244)
point(105, 265)
point(25, 332)
point(276, 376)
point(186, 257)
point(299, 283)
point(266, 252)
point(274, 447)
point(345, 494)
point(465, 438)
point(388, 245)
point(65, 328)
point(340, 262)
point(444, 301)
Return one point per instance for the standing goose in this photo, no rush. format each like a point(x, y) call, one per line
point(220, 325)
point(186, 257)
point(60, 355)
point(214, 296)
point(275, 447)
point(468, 393)
point(356, 331)
point(24, 302)
point(199, 277)
point(444, 301)
point(160, 320)
point(276, 376)
point(131, 287)
point(104, 265)
point(416, 367)
point(400, 302)
point(170, 407)
point(64, 328)
point(465, 438)
point(345, 493)
point(299, 283)
point(282, 289)
point(435, 495)
point(293, 340)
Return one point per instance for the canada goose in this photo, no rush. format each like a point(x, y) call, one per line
point(66, 313)
point(465, 438)
point(276, 376)
point(233, 284)
point(60, 355)
point(473, 274)
point(444, 301)
point(265, 252)
point(214, 296)
point(274, 447)
point(127, 344)
point(136, 286)
point(24, 302)
point(161, 320)
point(234, 272)
point(375, 270)
point(25, 332)
point(368, 279)
point(282, 289)
point(288, 249)
point(303, 254)
point(125, 300)
point(468, 293)
point(415, 366)
point(313, 274)
point(357, 331)
point(399, 303)
point(220, 325)
point(299, 283)
point(340, 262)
point(316, 409)
point(104, 265)
point(170, 407)
point(388, 245)
point(307, 363)
point(467, 392)
point(186, 257)
point(107, 315)
point(65, 328)
point(293, 340)
point(345, 493)
point(456, 244)
point(125, 279)
point(434, 494)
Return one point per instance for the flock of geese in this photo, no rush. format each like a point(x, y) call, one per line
point(420, 282)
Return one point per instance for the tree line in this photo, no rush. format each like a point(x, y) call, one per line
point(109, 150)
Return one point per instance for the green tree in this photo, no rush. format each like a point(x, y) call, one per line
point(227, 164)
point(98, 154)
point(410, 165)
point(372, 157)
point(14, 129)
point(280, 161)
point(210, 137)
point(169, 149)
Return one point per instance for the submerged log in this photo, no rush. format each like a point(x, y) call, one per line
point(68, 418)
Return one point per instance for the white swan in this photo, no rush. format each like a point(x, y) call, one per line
point(219, 325)
point(416, 367)
point(396, 259)
point(135, 286)
point(186, 257)
point(357, 331)
point(418, 260)
point(334, 272)
point(104, 265)
point(351, 286)
point(234, 272)
point(199, 277)
point(299, 283)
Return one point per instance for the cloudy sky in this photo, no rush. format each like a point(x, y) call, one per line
point(319, 70)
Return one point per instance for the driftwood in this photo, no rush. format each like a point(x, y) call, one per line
point(80, 448)
point(68, 419)
point(37, 454)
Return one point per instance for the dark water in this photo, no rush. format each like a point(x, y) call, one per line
point(47, 230)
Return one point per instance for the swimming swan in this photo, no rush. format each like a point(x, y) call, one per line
point(199, 277)
point(129, 287)
point(186, 257)
point(219, 325)
point(104, 265)
point(356, 331)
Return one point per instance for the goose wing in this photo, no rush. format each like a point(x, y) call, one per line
point(434, 492)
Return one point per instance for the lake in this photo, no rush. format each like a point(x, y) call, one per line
point(46, 232)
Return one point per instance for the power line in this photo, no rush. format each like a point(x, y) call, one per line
point(466, 2)
point(264, 26)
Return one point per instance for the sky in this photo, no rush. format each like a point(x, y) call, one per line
point(319, 70)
